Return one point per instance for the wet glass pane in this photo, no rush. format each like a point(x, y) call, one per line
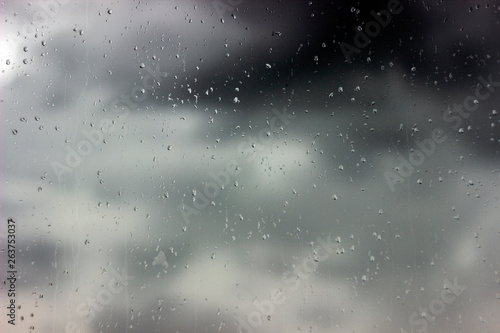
point(250, 166)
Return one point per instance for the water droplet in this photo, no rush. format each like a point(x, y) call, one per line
point(14, 131)
point(268, 66)
point(7, 62)
point(25, 49)
point(142, 65)
point(110, 12)
point(341, 89)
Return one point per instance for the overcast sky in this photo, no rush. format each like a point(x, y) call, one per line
point(251, 166)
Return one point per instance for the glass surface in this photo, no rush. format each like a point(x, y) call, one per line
point(250, 166)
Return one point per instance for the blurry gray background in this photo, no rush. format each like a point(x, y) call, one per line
point(320, 175)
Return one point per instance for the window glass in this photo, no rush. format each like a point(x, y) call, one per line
point(250, 166)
